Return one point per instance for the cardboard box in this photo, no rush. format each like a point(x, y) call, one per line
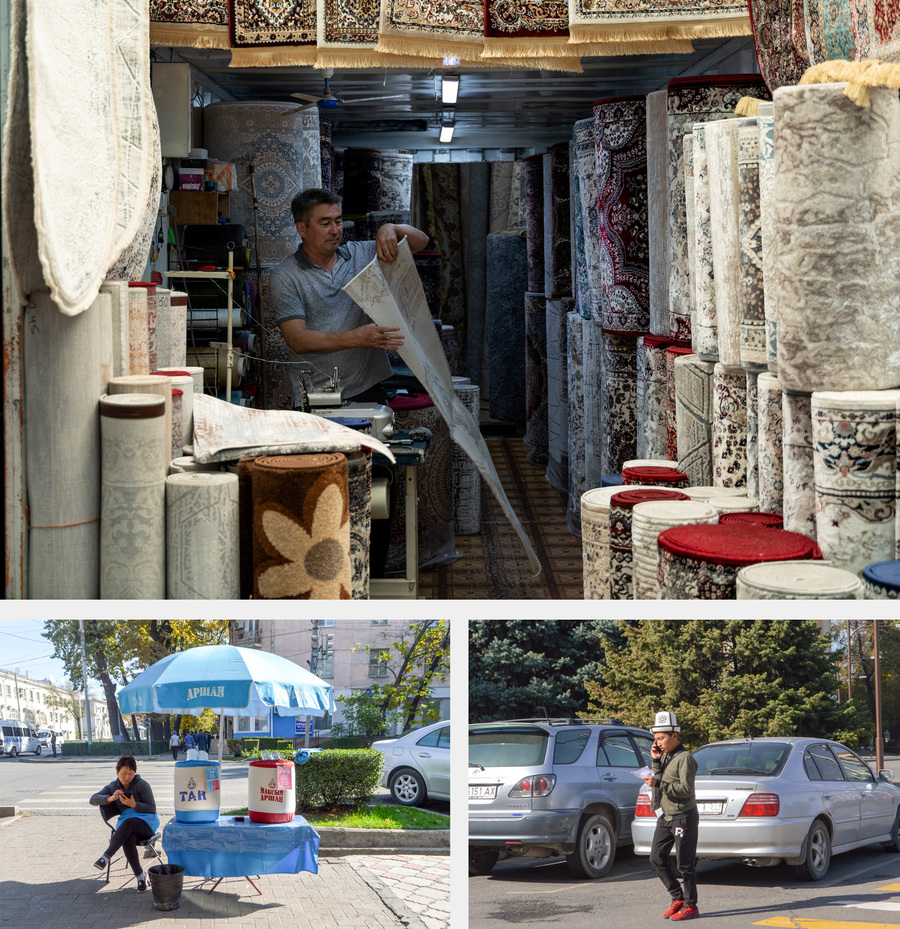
point(223, 175)
point(190, 179)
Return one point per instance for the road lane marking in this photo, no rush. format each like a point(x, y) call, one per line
point(889, 887)
point(798, 922)
point(870, 904)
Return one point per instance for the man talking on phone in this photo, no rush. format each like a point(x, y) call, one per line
point(675, 804)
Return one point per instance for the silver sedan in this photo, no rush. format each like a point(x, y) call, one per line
point(794, 800)
point(417, 764)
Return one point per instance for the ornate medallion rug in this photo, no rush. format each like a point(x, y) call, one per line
point(189, 23)
point(771, 441)
point(135, 445)
point(347, 33)
point(269, 33)
point(855, 464)
point(534, 221)
point(848, 256)
point(202, 555)
point(691, 100)
point(658, 210)
point(301, 527)
point(575, 381)
point(595, 439)
point(693, 415)
point(560, 222)
point(283, 145)
point(704, 333)
point(505, 316)
point(61, 368)
point(536, 435)
point(620, 133)
point(752, 295)
point(526, 30)
point(431, 28)
point(775, 24)
point(381, 289)
point(797, 454)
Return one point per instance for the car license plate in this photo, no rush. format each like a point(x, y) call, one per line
point(711, 808)
point(486, 792)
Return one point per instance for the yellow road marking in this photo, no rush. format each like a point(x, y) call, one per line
point(786, 922)
point(890, 887)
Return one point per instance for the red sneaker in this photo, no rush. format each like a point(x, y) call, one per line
point(687, 912)
point(673, 909)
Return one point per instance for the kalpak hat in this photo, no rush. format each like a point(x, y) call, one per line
point(665, 722)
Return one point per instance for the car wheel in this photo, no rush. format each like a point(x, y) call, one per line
point(595, 848)
point(13, 752)
point(37, 751)
point(408, 787)
point(818, 853)
point(482, 860)
point(894, 844)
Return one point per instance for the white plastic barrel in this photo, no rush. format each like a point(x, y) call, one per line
point(271, 791)
point(197, 794)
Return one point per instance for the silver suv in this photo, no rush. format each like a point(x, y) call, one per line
point(543, 787)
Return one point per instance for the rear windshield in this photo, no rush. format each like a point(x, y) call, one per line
point(764, 759)
point(507, 748)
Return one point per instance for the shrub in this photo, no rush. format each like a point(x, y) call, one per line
point(338, 777)
point(249, 747)
point(117, 749)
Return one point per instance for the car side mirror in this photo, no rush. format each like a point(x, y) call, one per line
point(885, 775)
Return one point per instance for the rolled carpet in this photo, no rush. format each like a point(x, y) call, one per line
point(704, 331)
point(575, 420)
point(658, 210)
point(693, 417)
point(595, 423)
point(765, 127)
point(734, 504)
point(396, 180)
point(534, 221)
point(558, 394)
point(138, 331)
point(652, 395)
point(359, 477)
point(121, 309)
point(752, 381)
point(561, 283)
point(586, 166)
point(751, 293)
point(673, 352)
point(507, 274)
point(729, 426)
point(134, 446)
point(701, 562)
point(301, 527)
point(670, 478)
point(797, 580)
point(362, 180)
point(466, 479)
point(536, 425)
point(202, 558)
point(837, 270)
point(855, 467)
point(619, 398)
point(771, 440)
point(797, 458)
point(772, 520)
point(149, 384)
point(882, 580)
point(709, 492)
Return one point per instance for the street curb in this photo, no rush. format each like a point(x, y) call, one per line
point(341, 837)
point(394, 903)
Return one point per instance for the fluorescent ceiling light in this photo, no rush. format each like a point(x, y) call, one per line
point(449, 88)
point(446, 133)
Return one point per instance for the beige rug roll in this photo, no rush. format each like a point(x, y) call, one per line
point(797, 455)
point(135, 443)
point(729, 426)
point(704, 339)
point(752, 296)
point(658, 209)
point(121, 322)
point(771, 441)
point(694, 417)
point(202, 536)
point(765, 127)
point(178, 308)
point(837, 239)
point(147, 384)
point(752, 381)
point(138, 331)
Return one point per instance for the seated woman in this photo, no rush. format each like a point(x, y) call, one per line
point(130, 798)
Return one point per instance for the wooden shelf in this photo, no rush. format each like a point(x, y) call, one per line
point(199, 207)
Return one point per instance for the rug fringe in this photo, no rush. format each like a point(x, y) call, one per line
point(189, 36)
point(273, 57)
point(747, 106)
point(547, 47)
point(436, 48)
point(858, 75)
point(643, 47)
point(643, 32)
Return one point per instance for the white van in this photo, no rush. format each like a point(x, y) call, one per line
point(18, 737)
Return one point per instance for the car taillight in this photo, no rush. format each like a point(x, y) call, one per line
point(642, 807)
point(538, 786)
point(760, 805)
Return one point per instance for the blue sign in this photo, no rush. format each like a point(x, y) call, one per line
point(301, 724)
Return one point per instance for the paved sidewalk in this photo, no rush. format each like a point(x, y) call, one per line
point(49, 882)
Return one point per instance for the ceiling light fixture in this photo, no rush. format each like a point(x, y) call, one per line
point(446, 133)
point(449, 89)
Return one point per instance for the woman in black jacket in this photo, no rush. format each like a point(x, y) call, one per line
point(129, 796)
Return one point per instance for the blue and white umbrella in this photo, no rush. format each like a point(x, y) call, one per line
point(227, 679)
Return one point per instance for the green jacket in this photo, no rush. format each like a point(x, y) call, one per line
point(675, 790)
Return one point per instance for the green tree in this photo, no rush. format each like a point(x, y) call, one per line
point(729, 678)
point(362, 716)
point(521, 668)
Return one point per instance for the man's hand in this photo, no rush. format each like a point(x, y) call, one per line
point(651, 781)
point(372, 336)
point(386, 244)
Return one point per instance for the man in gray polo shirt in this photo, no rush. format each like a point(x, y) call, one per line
point(320, 323)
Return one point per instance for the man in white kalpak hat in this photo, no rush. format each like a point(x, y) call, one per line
point(675, 804)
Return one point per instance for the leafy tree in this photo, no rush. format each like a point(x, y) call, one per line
point(66, 700)
point(363, 716)
point(729, 679)
point(415, 661)
point(519, 668)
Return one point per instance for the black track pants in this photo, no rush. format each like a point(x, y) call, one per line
point(680, 831)
point(126, 837)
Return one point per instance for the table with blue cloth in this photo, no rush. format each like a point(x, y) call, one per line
point(228, 848)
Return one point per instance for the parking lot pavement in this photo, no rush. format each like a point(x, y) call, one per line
point(421, 882)
point(49, 882)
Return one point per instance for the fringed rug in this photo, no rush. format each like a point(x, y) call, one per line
point(202, 553)
point(765, 124)
point(658, 210)
point(513, 30)
point(301, 528)
point(560, 223)
point(558, 394)
point(836, 152)
point(797, 451)
point(347, 33)
point(855, 466)
point(283, 146)
point(691, 100)
point(431, 29)
point(729, 426)
point(771, 439)
point(536, 434)
point(575, 420)
point(134, 452)
point(620, 133)
point(189, 23)
point(507, 273)
point(534, 221)
point(474, 183)
point(693, 416)
point(586, 167)
point(775, 24)
point(704, 332)
point(268, 33)
point(619, 400)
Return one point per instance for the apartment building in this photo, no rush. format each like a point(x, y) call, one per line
point(46, 706)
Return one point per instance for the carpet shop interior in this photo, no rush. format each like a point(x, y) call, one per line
point(652, 346)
